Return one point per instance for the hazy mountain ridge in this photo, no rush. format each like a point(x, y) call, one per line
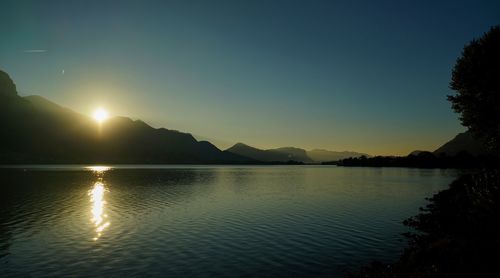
point(285, 154)
point(271, 155)
point(321, 155)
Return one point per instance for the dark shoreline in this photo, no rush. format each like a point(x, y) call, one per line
point(455, 235)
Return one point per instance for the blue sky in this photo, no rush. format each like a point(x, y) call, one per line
point(340, 75)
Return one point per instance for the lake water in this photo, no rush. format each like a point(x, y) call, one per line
point(197, 221)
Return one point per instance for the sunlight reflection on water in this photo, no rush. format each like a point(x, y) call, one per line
point(99, 217)
point(98, 169)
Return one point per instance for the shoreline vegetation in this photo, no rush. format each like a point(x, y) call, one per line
point(463, 160)
point(456, 235)
point(423, 160)
point(256, 163)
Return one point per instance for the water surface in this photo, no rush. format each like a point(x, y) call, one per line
point(205, 221)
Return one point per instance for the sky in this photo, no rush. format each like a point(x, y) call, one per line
point(367, 76)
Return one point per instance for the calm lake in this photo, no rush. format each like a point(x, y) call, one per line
point(205, 220)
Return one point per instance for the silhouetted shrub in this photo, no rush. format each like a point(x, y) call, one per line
point(456, 235)
point(462, 159)
point(7, 86)
point(476, 80)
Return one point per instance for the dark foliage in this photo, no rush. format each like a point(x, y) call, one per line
point(476, 80)
point(423, 160)
point(7, 86)
point(456, 235)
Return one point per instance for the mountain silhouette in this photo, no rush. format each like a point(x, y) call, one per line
point(320, 155)
point(417, 152)
point(464, 141)
point(295, 154)
point(284, 154)
point(291, 154)
point(36, 130)
point(272, 155)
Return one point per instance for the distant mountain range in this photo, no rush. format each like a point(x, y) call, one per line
point(326, 156)
point(290, 154)
point(36, 130)
point(272, 155)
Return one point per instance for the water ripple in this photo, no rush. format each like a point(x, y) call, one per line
point(204, 221)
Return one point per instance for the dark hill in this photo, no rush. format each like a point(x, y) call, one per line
point(326, 155)
point(272, 155)
point(463, 142)
point(35, 130)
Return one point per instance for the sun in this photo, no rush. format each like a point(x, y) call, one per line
point(100, 115)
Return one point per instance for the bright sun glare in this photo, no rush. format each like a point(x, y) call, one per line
point(100, 115)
